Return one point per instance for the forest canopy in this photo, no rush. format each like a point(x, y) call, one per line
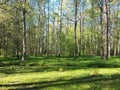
point(59, 28)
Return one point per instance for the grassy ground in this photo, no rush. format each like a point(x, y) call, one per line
point(39, 73)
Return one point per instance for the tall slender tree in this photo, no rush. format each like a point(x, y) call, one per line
point(47, 32)
point(61, 5)
point(107, 29)
point(75, 27)
point(24, 31)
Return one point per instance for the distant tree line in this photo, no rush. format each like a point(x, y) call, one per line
point(59, 28)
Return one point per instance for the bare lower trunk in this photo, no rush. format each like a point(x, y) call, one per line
point(41, 46)
point(115, 51)
point(56, 46)
point(78, 47)
point(109, 50)
point(119, 45)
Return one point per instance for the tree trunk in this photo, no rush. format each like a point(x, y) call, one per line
point(75, 27)
point(59, 53)
point(115, 51)
point(101, 36)
point(106, 32)
point(24, 32)
point(47, 33)
point(53, 31)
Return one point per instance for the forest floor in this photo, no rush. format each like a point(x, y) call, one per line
point(65, 73)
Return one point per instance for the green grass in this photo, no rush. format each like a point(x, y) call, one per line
point(65, 73)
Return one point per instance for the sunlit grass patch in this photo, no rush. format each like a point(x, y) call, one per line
point(60, 74)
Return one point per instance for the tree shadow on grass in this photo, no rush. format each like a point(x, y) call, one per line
point(93, 79)
point(41, 64)
point(47, 68)
point(65, 66)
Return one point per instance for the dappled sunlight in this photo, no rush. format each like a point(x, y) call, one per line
point(85, 82)
point(56, 74)
point(59, 45)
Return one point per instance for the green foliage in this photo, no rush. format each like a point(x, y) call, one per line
point(88, 39)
